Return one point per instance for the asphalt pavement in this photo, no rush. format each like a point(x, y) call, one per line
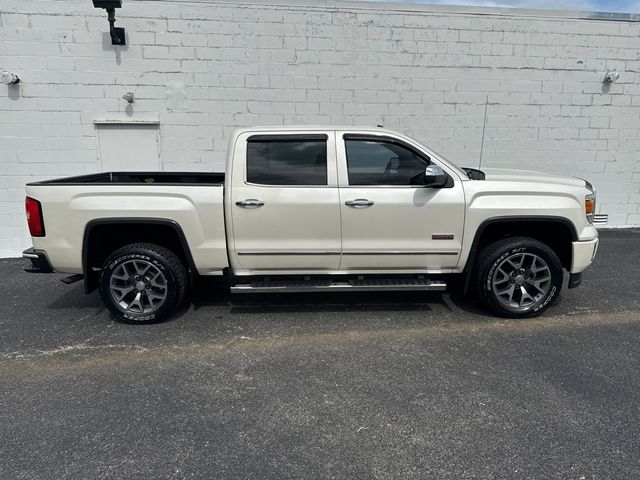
point(380, 386)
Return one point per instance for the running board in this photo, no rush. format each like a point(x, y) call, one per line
point(405, 285)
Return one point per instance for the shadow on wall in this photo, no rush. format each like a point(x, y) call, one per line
point(14, 91)
point(107, 46)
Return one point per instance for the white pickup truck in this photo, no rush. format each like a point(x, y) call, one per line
point(315, 209)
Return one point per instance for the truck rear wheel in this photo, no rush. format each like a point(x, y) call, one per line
point(518, 277)
point(143, 283)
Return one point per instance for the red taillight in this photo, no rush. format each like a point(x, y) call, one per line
point(34, 217)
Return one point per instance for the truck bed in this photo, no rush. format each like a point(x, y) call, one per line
point(191, 201)
point(149, 178)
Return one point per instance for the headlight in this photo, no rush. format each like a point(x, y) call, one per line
point(590, 202)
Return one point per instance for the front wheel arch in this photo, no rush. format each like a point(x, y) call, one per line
point(556, 232)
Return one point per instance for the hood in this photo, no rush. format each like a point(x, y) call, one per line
point(512, 175)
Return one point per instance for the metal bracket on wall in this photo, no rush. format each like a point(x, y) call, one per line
point(117, 33)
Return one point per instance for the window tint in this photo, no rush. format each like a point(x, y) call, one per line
point(380, 162)
point(287, 162)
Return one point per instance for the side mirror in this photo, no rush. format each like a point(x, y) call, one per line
point(435, 177)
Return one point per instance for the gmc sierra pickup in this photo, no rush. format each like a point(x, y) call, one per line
point(316, 209)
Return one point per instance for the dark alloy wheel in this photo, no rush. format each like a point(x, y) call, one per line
point(143, 283)
point(518, 277)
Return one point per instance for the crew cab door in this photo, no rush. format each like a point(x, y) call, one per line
point(390, 220)
point(284, 205)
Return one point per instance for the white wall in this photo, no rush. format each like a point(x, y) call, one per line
point(203, 68)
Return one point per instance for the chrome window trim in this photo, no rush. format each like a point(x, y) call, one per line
point(288, 186)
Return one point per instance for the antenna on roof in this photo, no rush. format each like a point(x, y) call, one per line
point(484, 126)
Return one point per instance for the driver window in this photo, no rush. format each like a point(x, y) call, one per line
point(383, 162)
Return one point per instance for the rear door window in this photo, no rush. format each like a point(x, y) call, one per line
point(287, 159)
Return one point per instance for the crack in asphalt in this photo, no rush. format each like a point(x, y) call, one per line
point(81, 347)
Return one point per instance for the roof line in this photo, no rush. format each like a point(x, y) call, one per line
point(403, 6)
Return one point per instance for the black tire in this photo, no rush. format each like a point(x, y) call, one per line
point(167, 278)
point(490, 277)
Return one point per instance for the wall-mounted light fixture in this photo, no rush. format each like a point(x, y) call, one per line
point(611, 76)
point(117, 33)
point(9, 78)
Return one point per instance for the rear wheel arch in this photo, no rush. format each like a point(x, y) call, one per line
point(104, 236)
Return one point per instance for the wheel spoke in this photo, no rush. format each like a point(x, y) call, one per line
point(127, 269)
point(122, 291)
point(136, 302)
point(541, 268)
point(525, 295)
point(504, 278)
point(141, 267)
point(509, 291)
point(154, 296)
point(154, 280)
point(537, 284)
point(516, 266)
point(521, 280)
point(145, 294)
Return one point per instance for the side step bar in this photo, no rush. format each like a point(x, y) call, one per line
point(274, 286)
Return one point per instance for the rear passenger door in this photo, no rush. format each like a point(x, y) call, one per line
point(284, 203)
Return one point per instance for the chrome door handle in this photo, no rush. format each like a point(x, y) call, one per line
point(359, 203)
point(250, 203)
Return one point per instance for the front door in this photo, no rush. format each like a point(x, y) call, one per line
point(390, 221)
point(284, 203)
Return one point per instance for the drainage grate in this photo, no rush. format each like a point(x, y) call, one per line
point(601, 218)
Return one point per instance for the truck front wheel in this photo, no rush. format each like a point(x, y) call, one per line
point(143, 283)
point(518, 277)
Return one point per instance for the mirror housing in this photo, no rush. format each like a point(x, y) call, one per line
point(435, 177)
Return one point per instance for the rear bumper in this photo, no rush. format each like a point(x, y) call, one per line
point(39, 261)
point(583, 254)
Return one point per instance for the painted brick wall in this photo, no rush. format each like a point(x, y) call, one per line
point(204, 68)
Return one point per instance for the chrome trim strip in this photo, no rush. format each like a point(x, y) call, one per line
point(289, 253)
point(249, 184)
point(384, 186)
point(399, 252)
point(386, 252)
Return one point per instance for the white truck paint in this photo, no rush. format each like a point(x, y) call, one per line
point(232, 226)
